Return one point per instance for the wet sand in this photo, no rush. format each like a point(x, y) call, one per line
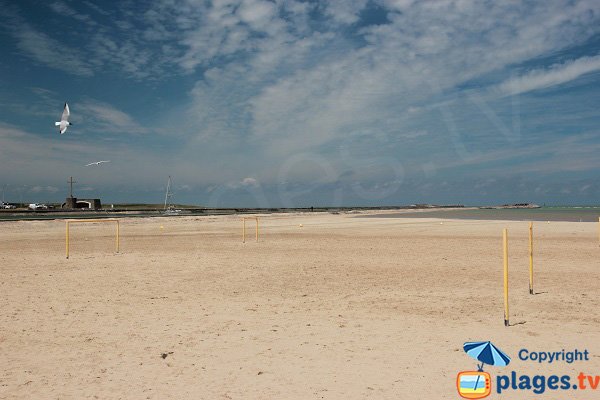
point(338, 308)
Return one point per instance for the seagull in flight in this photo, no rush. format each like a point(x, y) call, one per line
point(97, 163)
point(64, 120)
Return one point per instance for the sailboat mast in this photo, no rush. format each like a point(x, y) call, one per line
point(168, 191)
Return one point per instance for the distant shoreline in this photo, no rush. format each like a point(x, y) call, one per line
point(566, 214)
point(573, 214)
point(141, 212)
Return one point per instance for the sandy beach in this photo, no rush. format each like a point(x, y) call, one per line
point(324, 306)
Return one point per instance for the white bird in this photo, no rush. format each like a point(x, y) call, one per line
point(97, 163)
point(64, 120)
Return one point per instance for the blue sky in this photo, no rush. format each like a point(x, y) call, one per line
point(293, 103)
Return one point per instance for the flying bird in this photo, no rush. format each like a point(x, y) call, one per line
point(64, 120)
point(97, 163)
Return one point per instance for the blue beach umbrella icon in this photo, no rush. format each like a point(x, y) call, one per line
point(487, 353)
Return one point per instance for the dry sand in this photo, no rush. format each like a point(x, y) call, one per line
point(339, 308)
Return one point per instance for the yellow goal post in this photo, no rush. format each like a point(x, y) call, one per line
point(80, 221)
point(244, 228)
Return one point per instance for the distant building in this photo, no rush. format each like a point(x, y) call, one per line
point(75, 203)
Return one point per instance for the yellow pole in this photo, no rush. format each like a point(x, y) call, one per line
point(67, 238)
point(531, 258)
point(117, 243)
point(505, 245)
point(243, 230)
point(257, 229)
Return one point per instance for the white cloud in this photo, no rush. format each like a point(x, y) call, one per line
point(63, 9)
point(256, 13)
point(43, 189)
point(244, 183)
point(317, 90)
point(345, 11)
point(104, 117)
point(137, 50)
point(48, 51)
point(414, 134)
point(96, 8)
point(48, 160)
point(224, 29)
point(554, 75)
point(130, 57)
point(573, 153)
point(249, 182)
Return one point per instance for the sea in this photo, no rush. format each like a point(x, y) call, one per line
point(572, 214)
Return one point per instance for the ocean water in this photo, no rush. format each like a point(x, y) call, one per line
point(572, 214)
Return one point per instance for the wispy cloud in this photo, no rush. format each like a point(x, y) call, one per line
point(104, 117)
point(554, 75)
point(42, 189)
point(345, 12)
point(144, 53)
point(39, 161)
point(249, 182)
point(64, 10)
point(42, 48)
point(96, 8)
point(574, 153)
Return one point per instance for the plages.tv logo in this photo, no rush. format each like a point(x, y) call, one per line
point(478, 384)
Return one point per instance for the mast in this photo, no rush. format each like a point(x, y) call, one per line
point(168, 194)
point(71, 182)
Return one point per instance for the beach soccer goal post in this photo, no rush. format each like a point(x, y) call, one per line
point(81, 221)
point(244, 228)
